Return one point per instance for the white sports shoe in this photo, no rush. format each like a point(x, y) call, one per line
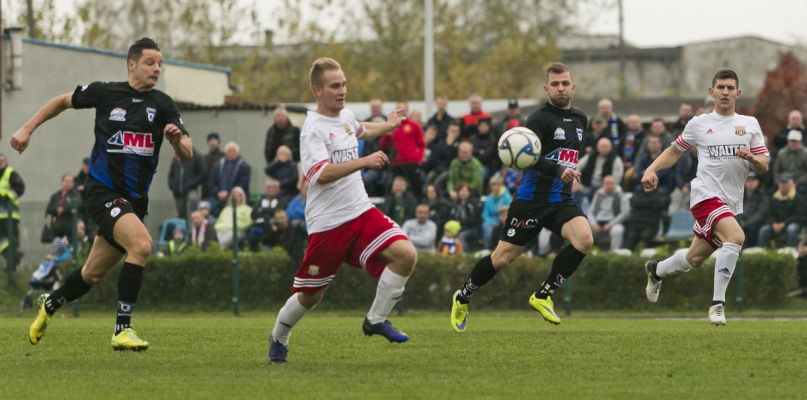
point(717, 315)
point(653, 284)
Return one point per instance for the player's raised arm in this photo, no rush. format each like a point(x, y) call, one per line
point(20, 139)
point(375, 129)
point(667, 159)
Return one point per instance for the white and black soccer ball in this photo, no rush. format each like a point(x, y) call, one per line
point(519, 148)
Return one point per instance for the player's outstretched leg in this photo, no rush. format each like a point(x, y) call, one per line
point(657, 270)
point(578, 232)
point(288, 316)
point(402, 257)
point(724, 267)
point(131, 234)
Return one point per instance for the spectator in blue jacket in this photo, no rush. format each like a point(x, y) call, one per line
point(296, 209)
point(230, 172)
point(498, 197)
point(284, 170)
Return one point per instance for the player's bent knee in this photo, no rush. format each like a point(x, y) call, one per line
point(501, 260)
point(310, 299)
point(696, 261)
point(140, 248)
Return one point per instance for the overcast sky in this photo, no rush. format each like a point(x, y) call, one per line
point(653, 22)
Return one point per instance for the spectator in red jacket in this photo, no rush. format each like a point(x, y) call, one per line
point(409, 146)
point(469, 120)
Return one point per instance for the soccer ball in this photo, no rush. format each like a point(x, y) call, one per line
point(519, 148)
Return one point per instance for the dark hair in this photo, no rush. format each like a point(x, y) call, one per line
point(136, 49)
point(455, 122)
point(557, 68)
point(726, 74)
point(86, 161)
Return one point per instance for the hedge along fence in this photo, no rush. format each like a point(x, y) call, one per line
point(603, 282)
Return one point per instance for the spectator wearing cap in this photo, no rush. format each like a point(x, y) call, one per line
point(421, 231)
point(204, 209)
point(83, 178)
point(441, 118)
point(485, 145)
point(177, 245)
point(513, 114)
point(282, 133)
point(756, 208)
point(786, 216)
point(793, 161)
point(213, 156)
point(407, 140)
point(795, 121)
point(450, 246)
point(184, 178)
point(614, 127)
point(470, 120)
point(657, 129)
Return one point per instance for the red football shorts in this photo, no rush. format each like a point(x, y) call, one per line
point(706, 214)
point(355, 242)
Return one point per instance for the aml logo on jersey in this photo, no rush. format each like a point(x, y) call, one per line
point(340, 156)
point(131, 143)
point(724, 151)
point(560, 134)
point(118, 114)
point(564, 157)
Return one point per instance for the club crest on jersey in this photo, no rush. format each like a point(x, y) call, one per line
point(347, 129)
point(579, 134)
point(560, 134)
point(313, 270)
point(117, 114)
point(131, 143)
point(151, 112)
point(739, 130)
point(564, 157)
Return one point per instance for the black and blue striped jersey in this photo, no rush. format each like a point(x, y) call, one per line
point(561, 135)
point(128, 133)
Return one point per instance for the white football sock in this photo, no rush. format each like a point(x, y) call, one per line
point(674, 265)
point(287, 317)
point(390, 289)
point(724, 268)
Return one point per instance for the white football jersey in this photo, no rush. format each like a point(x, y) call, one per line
point(325, 140)
point(721, 174)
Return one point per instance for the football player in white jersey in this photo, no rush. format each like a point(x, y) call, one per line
point(727, 143)
point(343, 226)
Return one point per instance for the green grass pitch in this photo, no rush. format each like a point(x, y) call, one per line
point(509, 356)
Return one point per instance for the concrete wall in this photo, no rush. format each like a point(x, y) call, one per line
point(182, 83)
point(645, 79)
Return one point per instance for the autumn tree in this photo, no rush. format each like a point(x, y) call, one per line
point(785, 89)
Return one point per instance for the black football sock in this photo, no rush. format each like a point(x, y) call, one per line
point(566, 262)
point(73, 288)
point(131, 278)
point(482, 273)
point(716, 302)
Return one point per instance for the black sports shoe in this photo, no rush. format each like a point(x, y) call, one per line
point(277, 352)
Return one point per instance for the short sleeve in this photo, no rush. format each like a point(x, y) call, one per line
point(313, 154)
point(686, 139)
point(88, 96)
point(172, 115)
point(757, 140)
point(355, 125)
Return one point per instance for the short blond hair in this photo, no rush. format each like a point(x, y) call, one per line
point(315, 76)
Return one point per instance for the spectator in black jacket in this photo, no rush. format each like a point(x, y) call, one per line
point(665, 177)
point(83, 178)
point(184, 179)
point(400, 205)
point(262, 213)
point(289, 235)
point(685, 113)
point(211, 158)
point(485, 147)
point(282, 132)
point(441, 118)
point(756, 208)
point(202, 232)
point(786, 216)
point(284, 170)
point(439, 209)
point(779, 140)
point(436, 166)
point(60, 210)
point(648, 208)
point(468, 213)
